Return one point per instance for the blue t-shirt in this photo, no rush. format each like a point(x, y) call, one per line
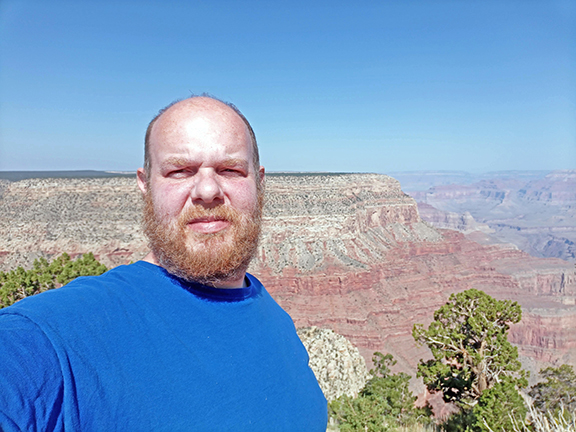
point(138, 349)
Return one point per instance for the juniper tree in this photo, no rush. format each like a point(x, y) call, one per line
point(472, 356)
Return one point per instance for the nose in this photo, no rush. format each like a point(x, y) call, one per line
point(207, 188)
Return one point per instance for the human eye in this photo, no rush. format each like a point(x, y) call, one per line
point(233, 169)
point(177, 173)
point(177, 168)
point(230, 170)
point(233, 172)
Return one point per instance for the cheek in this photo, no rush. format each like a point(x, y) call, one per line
point(244, 198)
point(169, 201)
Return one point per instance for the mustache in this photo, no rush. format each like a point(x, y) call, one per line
point(220, 212)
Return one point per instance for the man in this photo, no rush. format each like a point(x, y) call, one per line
point(185, 339)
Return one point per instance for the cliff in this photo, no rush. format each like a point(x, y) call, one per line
point(368, 267)
point(537, 213)
point(48, 216)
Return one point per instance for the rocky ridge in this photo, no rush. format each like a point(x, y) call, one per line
point(45, 217)
point(313, 222)
point(337, 364)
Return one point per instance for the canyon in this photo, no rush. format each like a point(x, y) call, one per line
point(534, 210)
point(345, 252)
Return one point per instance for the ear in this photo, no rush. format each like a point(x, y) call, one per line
point(142, 180)
point(261, 174)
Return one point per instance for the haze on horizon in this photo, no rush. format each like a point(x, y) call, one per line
point(328, 86)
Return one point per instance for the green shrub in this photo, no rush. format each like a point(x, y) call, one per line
point(557, 391)
point(384, 404)
point(499, 408)
point(20, 283)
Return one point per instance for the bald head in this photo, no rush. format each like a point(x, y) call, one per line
point(196, 106)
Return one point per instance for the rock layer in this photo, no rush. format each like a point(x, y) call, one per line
point(45, 217)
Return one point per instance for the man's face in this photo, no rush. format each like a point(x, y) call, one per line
point(202, 201)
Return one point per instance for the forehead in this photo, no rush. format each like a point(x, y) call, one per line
point(197, 125)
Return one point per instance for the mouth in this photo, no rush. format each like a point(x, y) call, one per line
point(208, 225)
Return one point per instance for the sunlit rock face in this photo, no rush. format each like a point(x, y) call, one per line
point(48, 216)
point(337, 364)
point(346, 252)
point(350, 220)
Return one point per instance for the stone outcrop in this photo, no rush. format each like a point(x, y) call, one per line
point(48, 216)
point(337, 364)
point(348, 253)
point(464, 223)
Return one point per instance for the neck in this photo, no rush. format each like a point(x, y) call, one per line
point(236, 281)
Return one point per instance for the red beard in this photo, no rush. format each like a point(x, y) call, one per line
point(204, 258)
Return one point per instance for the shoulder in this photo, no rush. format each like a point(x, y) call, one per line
point(267, 302)
point(85, 294)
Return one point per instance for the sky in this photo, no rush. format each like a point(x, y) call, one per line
point(338, 86)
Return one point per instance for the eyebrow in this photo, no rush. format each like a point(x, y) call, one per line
point(175, 161)
point(235, 162)
point(180, 161)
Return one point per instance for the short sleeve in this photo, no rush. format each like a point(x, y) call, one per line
point(31, 384)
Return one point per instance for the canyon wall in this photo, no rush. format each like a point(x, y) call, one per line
point(535, 212)
point(369, 268)
point(347, 252)
point(48, 216)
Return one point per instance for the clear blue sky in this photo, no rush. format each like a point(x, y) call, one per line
point(368, 86)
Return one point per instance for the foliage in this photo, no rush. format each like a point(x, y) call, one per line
point(20, 283)
point(557, 391)
point(460, 421)
point(499, 408)
point(539, 421)
point(468, 340)
point(384, 404)
point(359, 414)
point(474, 365)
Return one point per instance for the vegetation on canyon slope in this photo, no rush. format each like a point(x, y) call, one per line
point(43, 276)
point(389, 407)
point(385, 403)
point(558, 392)
point(475, 368)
